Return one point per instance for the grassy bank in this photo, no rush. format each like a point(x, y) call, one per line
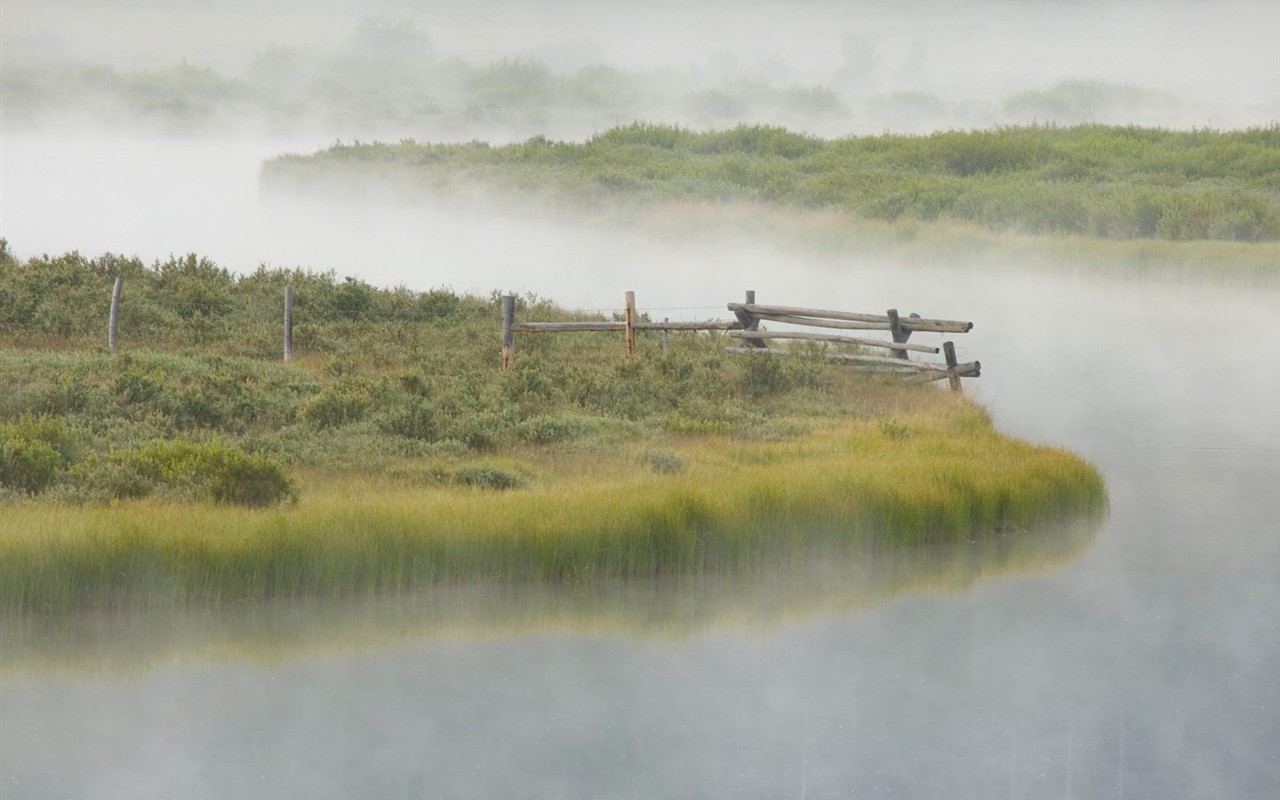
point(944, 477)
point(1113, 183)
point(398, 455)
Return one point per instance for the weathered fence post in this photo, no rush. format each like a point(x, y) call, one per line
point(953, 377)
point(899, 335)
point(288, 323)
point(631, 324)
point(750, 322)
point(666, 336)
point(508, 336)
point(113, 326)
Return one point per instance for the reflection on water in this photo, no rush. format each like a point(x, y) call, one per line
point(128, 643)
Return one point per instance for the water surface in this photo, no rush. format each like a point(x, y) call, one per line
point(1141, 660)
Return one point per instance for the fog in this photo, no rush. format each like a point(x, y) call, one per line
point(1145, 668)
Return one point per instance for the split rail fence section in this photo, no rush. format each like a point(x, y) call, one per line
point(754, 341)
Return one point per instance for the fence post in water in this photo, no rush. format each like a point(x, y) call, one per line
point(508, 336)
point(113, 326)
point(953, 377)
point(666, 336)
point(288, 323)
point(631, 324)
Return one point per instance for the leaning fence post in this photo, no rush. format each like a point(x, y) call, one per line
point(666, 336)
point(631, 324)
point(953, 377)
point(113, 326)
point(899, 335)
point(288, 323)
point(508, 336)
point(749, 321)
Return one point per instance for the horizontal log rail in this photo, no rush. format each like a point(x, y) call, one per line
point(826, 337)
point(879, 363)
point(881, 321)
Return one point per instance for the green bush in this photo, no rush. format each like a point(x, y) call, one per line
point(33, 450)
point(253, 480)
point(27, 465)
point(550, 428)
point(214, 471)
point(337, 404)
point(489, 477)
point(663, 462)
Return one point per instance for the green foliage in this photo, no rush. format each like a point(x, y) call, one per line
point(337, 404)
point(26, 465)
point(33, 449)
point(1089, 180)
point(489, 477)
point(663, 462)
point(214, 471)
point(764, 375)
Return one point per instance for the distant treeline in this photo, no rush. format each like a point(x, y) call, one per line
point(1088, 180)
point(389, 77)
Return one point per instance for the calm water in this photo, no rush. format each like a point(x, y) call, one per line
point(1137, 659)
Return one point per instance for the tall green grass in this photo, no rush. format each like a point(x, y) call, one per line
point(735, 505)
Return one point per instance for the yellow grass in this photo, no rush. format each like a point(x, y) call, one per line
point(944, 476)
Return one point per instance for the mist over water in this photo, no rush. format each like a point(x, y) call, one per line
point(1146, 666)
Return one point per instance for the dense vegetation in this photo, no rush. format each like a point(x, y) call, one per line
point(403, 455)
point(1106, 182)
point(379, 376)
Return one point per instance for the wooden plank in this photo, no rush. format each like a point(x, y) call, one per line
point(288, 323)
point(949, 352)
point(749, 321)
point(899, 334)
point(829, 337)
point(113, 322)
point(630, 330)
point(815, 322)
point(971, 369)
point(916, 324)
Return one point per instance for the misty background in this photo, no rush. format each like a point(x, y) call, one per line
point(138, 126)
point(1145, 668)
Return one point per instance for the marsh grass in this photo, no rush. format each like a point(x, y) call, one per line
point(735, 506)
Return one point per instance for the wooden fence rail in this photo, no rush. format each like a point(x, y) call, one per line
point(745, 328)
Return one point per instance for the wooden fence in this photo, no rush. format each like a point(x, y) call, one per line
point(754, 340)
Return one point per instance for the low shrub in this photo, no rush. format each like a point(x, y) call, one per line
point(27, 465)
point(33, 450)
point(215, 471)
point(489, 477)
point(337, 404)
point(663, 462)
